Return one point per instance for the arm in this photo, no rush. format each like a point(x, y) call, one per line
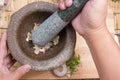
point(91, 24)
point(106, 54)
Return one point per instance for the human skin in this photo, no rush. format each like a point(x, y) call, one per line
point(91, 25)
point(6, 61)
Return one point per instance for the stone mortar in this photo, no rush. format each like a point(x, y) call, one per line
point(22, 22)
point(56, 22)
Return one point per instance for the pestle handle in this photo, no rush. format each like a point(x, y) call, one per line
point(71, 12)
point(56, 22)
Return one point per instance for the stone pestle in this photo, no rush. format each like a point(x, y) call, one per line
point(56, 22)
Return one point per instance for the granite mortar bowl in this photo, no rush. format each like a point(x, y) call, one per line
point(22, 22)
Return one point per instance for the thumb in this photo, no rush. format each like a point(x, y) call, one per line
point(16, 75)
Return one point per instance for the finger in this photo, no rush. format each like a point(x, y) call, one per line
point(20, 72)
point(62, 5)
point(3, 40)
point(68, 3)
point(57, 5)
point(3, 48)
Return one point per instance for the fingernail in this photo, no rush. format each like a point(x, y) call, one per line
point(27, 68)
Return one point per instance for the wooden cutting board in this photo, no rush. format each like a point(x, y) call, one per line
point(87, 67)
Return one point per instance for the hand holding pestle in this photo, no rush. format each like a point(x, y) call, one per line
point(56, 22)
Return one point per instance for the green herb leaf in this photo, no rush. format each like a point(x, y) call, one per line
point(73, 63)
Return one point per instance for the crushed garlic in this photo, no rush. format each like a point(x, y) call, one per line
point(56, 40)
point(36, 49)
point(39, 49)
point(29, 37)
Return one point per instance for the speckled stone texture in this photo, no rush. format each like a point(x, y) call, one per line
point(56, 22)
point(22, 22)
point(71, 12)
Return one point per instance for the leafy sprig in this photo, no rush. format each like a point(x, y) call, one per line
point(73, 64)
